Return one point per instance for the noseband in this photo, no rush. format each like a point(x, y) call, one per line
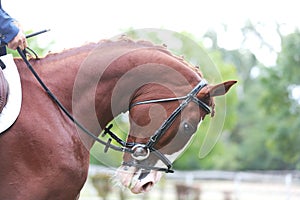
point(140, 152)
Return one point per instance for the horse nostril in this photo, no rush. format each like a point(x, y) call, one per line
point(147, 186)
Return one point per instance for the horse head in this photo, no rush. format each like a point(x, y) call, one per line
point(164, 116)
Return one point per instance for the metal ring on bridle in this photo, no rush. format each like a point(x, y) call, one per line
point(140, 152)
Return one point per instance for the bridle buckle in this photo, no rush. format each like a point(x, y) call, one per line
point(140, 152)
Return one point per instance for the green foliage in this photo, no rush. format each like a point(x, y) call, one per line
point(283, 123)
point(268, 116)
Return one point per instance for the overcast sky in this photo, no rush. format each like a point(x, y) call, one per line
point(73, 22)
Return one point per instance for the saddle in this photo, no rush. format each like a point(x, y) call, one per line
point(4, 90)
point(10, 92)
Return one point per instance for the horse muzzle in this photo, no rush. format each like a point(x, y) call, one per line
point(137, 180)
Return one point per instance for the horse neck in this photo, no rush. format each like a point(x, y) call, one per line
point(96, 85)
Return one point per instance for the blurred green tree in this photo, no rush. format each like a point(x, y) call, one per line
point(267, 126)
point(281, 103)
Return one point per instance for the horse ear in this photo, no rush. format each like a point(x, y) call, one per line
point(221, 89)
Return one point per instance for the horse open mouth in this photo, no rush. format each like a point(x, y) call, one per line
point(137, 180)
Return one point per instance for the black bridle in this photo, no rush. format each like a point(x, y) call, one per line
point(139, 152)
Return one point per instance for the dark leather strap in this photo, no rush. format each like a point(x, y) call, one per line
point(2, 65)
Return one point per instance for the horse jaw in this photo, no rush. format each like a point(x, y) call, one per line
point(132, 178)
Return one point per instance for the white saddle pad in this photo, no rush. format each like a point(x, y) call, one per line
point(13, 106)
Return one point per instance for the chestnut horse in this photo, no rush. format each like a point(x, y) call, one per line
point(44, 155)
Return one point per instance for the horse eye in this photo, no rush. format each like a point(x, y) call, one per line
point(188, 128)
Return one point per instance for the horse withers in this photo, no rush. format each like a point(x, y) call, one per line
point(44, 155)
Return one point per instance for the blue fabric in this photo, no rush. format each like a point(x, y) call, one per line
point(8, 30)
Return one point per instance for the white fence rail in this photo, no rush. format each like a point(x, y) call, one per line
point(210, 185)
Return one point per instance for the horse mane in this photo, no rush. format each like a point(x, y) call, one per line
point(122, 41)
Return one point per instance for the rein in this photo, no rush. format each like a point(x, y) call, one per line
point(139, 152)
